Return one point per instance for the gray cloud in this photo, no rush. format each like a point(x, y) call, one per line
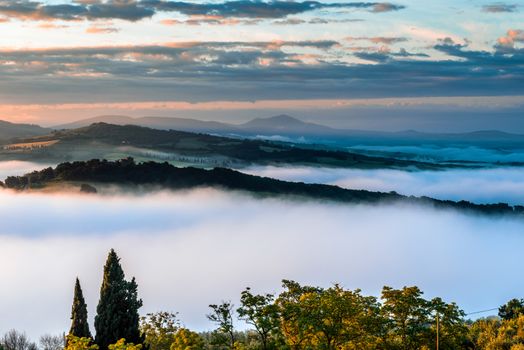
point(112, 9)
point(253, 70)
point(134, 10)
point(262, 9)
point(499, 8)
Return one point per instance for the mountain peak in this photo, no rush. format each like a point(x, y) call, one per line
point(282, 120)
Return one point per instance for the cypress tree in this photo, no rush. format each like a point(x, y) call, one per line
point(117, 311)
point(79, 325)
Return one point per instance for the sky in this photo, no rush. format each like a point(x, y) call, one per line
point(63, 60)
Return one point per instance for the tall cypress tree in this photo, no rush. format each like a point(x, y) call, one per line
point(117, 311)
point(79, 325)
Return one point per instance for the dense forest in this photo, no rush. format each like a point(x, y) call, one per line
point(300, 317)
point(127, 172)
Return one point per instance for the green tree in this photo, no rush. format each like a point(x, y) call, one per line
point(452, 328)
point(159, 329)
point(260, 312)
point(79, 325)
point(187, 340)
point(293, 316)
point(512, 309)
point(117, 311)
point(333, 318)
point(408, 316)
point(222, 316)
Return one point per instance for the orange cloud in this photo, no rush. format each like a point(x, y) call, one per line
point(512, 36)
point(101, 30)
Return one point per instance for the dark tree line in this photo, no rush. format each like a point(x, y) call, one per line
point(128, 172)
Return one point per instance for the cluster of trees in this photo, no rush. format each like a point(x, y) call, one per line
point(301, 317)
point(117, 322)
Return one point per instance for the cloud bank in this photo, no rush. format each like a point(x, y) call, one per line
point(257, 70)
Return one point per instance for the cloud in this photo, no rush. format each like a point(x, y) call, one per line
point(254, 71)
point(512, 36)
point(101, 30)
point(386, 7)
point(499, 8)
point(210, 20)
point(379, 39)
point(92, 10)
point(135, 10)
point(262, 9)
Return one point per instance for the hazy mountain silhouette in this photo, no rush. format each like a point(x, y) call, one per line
point(9, 131)
point(293, 128)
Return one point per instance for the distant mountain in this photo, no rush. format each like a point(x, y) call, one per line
point(285, 125)
point(277, 125)
point(295, 129)
point(163, 123)
point(9, 131)
point(109, 119)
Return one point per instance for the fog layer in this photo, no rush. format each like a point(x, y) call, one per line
point(492, 185)
point(435, 153)
point(190, 249)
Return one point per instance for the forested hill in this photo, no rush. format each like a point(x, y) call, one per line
point(100, 140)
point(127, 172)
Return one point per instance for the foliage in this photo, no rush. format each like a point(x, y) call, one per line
point(222, 316)
point(77, 343)
point(79, 324)
point(185, 339)
point(159, 329)
point(333, 318)
point(493, 334)
point(117, 311)
point(122, 345)
point(512, 309)
point(260, 312)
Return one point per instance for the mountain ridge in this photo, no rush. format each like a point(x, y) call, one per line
point(279, 123)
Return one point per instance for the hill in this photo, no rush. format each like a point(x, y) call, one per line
point(10, 131)
point(109, 141)
point(127, 172)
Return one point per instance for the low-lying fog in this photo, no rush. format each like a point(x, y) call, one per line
point(190, 249)
point(436, 153)
point(490, 185)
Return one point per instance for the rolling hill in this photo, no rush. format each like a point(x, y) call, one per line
point(10, 131)
point(108, 141)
